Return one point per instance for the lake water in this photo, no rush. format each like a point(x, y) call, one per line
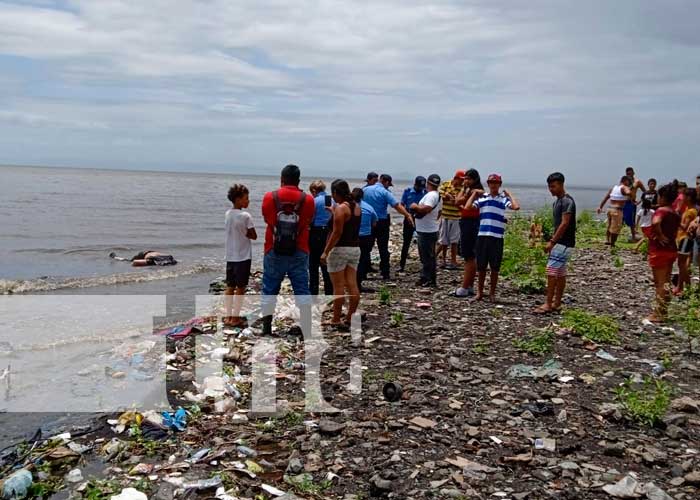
point(57, 227)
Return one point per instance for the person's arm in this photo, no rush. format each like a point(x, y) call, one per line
point(471, 202)
point(658, 233)
point(340, 216)
point(605, 200)
point(559, 233)
point(268, 209)
point(422, 209)
point(462, 198)
point(639, 219)
point(514, 205)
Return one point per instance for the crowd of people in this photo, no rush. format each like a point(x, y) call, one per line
point(329, 238)
point(668, 220)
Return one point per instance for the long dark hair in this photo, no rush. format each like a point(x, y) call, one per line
point(473, 174)
point(646, 205)
point(341, 188)
point(669, 192)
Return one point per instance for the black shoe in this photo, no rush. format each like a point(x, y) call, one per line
point(372, 270)
point(267, 325)
point(421, 283)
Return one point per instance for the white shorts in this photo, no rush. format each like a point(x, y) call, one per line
point(342, 257)
point(449, 232)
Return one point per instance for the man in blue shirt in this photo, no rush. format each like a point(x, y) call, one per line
point(367, 223)
point(380, 198)
point(410, 196)
point(317, 239)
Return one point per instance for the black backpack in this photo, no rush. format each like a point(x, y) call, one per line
point(286, 229)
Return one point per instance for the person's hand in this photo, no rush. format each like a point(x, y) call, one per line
point(507, 193)
point(663, 240)
point(330, 209)
point(599, 211)
point(477, 192)
point(324, 258)
point(410, 221)
point(548, 247)
point(449, 198)
point(413, 206)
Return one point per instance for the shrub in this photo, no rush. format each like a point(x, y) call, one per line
point(647, 404)
point(523, 264)
point(601, 329)
point(539, 342)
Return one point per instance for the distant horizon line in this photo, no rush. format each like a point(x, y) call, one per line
point(165, 171)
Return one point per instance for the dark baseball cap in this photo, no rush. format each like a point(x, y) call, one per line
point(372, 175)
point(386, 177)
point(420, 181)
point(434, 180)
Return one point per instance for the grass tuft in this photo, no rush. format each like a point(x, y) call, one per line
point(648, 403)
point(601, 329)
point(538, 342)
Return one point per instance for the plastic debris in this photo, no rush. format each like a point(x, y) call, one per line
point(17, 484)
point(177, 420)
point(547, 444)
point(130, 494)
point(74, 476)
point(602, 354)
point(203, 484)
point(627, 487)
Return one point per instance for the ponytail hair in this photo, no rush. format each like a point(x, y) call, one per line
point(341, 188)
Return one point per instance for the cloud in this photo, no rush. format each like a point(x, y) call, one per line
point(391, 81)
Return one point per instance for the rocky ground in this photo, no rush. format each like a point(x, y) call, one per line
point(468, 425)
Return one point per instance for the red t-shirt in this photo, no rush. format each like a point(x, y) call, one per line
point(670, 221)
point(288, 194)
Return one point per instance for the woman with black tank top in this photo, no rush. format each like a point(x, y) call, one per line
point(342, 252)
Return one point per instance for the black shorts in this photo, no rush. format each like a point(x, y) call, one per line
point(468, 232)
point(238, 274)
point(489, 253)
point(161, 260)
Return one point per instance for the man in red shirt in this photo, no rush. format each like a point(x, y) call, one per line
point(295, 263)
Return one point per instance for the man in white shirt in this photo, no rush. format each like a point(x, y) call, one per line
point(427, 212)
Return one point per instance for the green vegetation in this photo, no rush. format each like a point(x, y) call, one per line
point(601, 329)
point(481, 348)
point(647, 404)
point(589, 232)
point(397, 318)
point(304, 484)
point(143, 444)
point(522, 263)
point(686, 313)
point(545, 218)
point(384, 296)
point(101, 489)
point(617, 262)
point(538, 342)
point(46, 488)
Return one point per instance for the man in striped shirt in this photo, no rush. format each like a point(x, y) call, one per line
point(492, 227)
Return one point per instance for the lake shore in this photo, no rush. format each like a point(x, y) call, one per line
point(484, 411)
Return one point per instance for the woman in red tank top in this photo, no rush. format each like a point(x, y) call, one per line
point(663, 250)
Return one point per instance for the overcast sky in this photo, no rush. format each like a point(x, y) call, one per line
point(521, 87)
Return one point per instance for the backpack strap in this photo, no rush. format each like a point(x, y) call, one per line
point(300, 203)
point(276, 199)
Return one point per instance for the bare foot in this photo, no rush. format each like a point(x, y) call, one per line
point(543, 309)
point(655, 319)
point(492, 299)
point(479, 297)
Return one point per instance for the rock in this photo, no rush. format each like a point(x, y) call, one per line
point(569, 466)
point(653, 492)
point(423, 423)
point(379, 486)
point(74, 476)
point(693, 478)
point(675, 432)
point(686, 404)
point(543, 475)
point(130, 494)
point(614, 449)
point(330, 428)
point(295, 466)
point(627, 487)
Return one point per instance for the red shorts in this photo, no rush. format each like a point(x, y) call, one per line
point(648, 231)
point(662, 258)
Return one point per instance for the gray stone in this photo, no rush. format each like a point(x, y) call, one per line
point(330, 428)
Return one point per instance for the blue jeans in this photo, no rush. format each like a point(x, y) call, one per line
point(275, 268)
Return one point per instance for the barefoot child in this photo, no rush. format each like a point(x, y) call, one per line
point(684, 240)
point(492, 227)
point(644, 217)
point(239, 233)
point(663, 250)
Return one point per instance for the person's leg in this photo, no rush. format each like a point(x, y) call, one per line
point(383, 231)
point(406, 244)
point(432, 258)
point(495, 259)
point(228, 300)
point(453, 254)
point(327, 284)
point(366, 244)
point(298, 273)
point(683, 275)
point(422, 242)
point(315, 251)
point(353, 292)
point(273, 274)
point(482, 263)
point(560, 287)
point(338, 279)
point(469, 273)
point(492, 285)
